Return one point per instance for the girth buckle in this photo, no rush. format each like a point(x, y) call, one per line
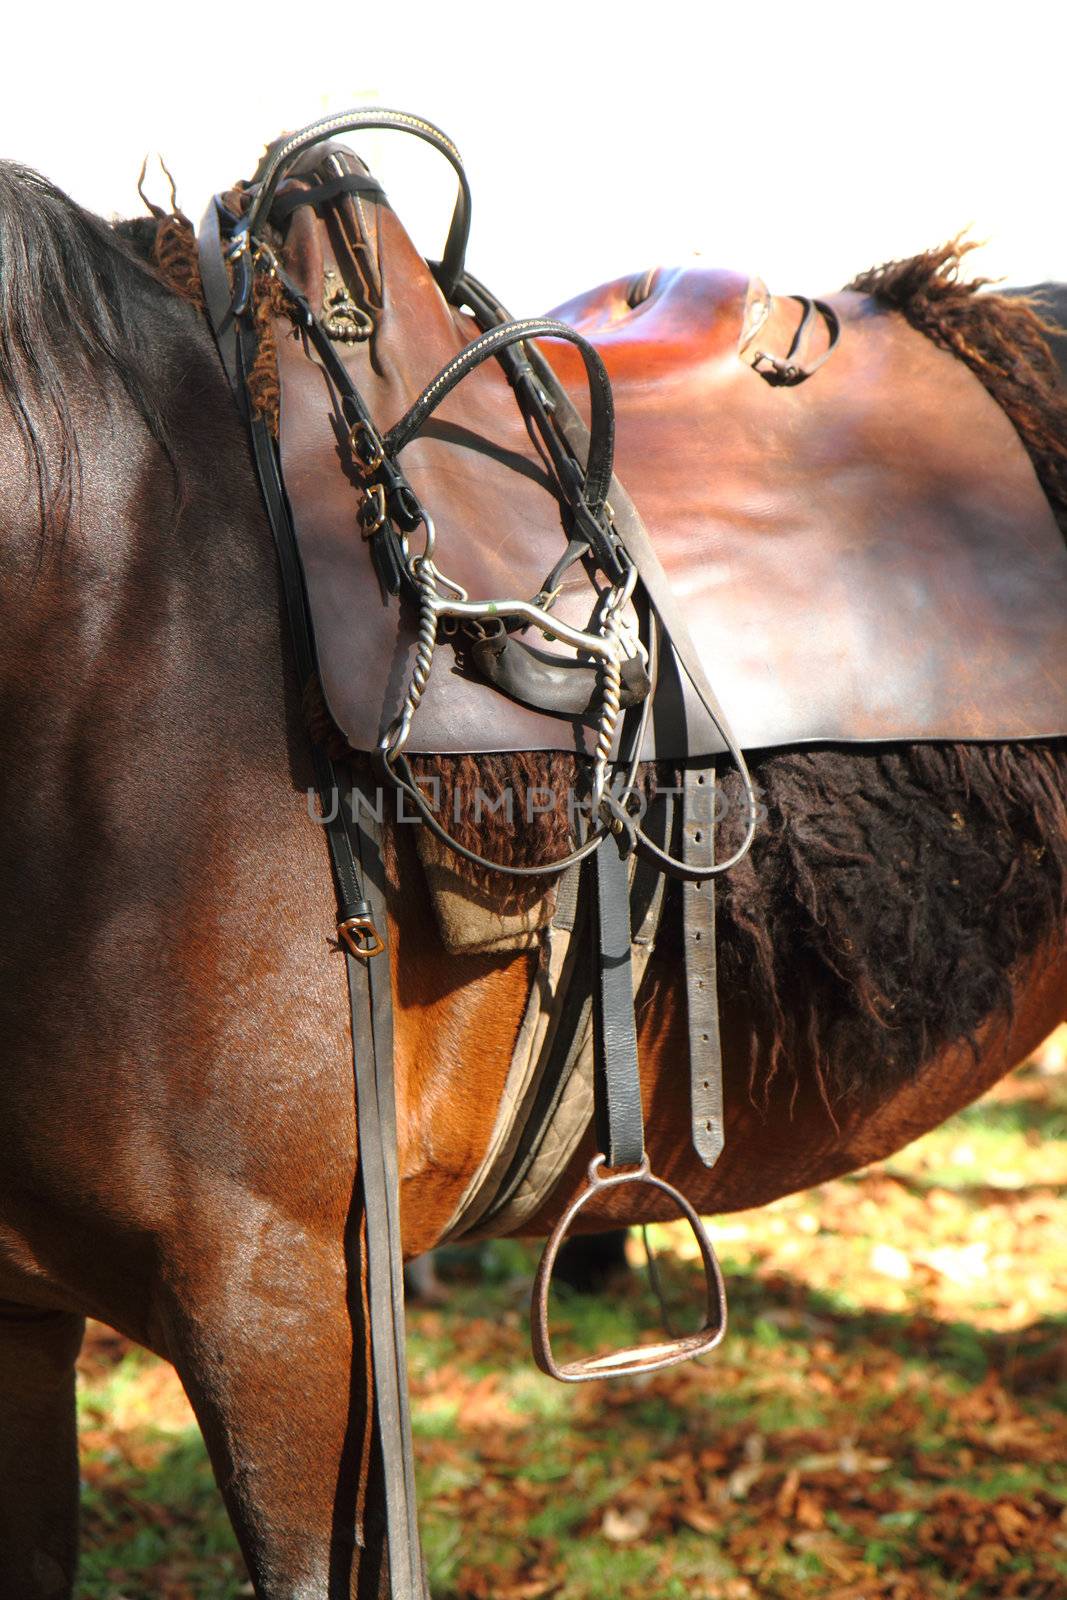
point(361, 937)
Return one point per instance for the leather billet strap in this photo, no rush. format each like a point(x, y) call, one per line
point(698, 931)
point(617, 1082)
point(619, 1119)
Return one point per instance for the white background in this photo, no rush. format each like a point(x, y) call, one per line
point(800, 142)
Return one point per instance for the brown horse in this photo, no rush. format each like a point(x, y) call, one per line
point(178, 1128)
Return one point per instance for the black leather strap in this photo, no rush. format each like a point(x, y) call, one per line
point(698, 923)
point(371, 996)
point(616, 1078)
point(215, 282)
point(320, 194)
point(602, 430)
point(350, 897)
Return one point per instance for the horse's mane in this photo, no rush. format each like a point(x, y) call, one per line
point(76, 308)
point(880, 913)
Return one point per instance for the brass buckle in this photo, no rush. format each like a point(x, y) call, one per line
point(372, 512)
point(361, 937)
point(639, 1358)
point(360, 434)
point(342, 318)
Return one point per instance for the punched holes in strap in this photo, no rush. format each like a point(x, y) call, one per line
point(698, 917)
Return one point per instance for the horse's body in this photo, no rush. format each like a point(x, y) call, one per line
point(177, 1121)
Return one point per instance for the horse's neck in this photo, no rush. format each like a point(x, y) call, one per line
point(143, 684)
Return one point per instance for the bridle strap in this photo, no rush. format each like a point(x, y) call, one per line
point(600, 459)
point(638, 546)
point(320, 194)
point(215, 281)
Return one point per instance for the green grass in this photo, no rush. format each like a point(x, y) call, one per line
point(164, 1525)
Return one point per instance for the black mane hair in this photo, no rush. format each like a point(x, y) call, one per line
point(76, 308)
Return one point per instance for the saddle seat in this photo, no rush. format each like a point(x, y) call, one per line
point(864, 556)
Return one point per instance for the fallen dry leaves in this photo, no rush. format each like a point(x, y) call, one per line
point(886, 1421)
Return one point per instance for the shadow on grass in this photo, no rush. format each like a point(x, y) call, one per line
point(954, 1347)
point(154, 1524)
point(779, 1309)
point(974, 1195)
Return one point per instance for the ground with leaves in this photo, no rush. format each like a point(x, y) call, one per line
point(887, 1419)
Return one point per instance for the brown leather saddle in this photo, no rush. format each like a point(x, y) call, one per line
point(816, 511)
point(863, 556)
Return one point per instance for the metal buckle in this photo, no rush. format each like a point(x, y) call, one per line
point(372, 512)
point(360, 434)
point(361, 937)
point(640, 1358)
